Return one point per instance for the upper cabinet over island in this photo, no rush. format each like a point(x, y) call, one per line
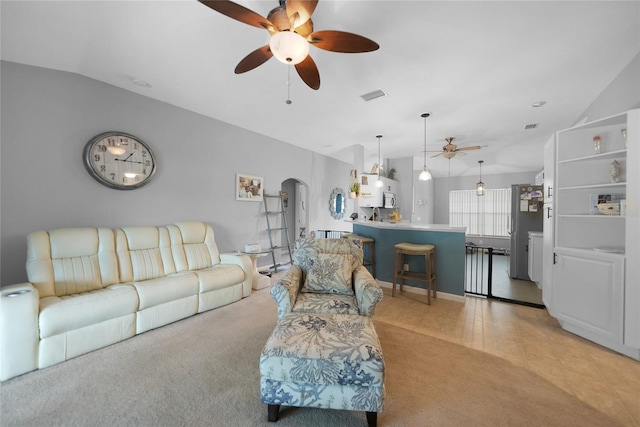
point(371, 194)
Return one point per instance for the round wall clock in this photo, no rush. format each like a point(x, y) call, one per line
point(119, 160)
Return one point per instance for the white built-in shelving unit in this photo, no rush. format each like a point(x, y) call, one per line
point(595, 282)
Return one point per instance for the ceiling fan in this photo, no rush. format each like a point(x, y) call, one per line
point(450, 150)
point(291, 30)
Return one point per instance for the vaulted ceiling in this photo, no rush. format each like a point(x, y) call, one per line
point(476, 66)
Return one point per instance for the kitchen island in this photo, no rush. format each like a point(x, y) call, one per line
point(449, 243)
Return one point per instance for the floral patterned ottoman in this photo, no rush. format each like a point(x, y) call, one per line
point(323, 361)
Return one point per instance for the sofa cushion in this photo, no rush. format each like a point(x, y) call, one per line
point(70, 261)
point(305, 250)
point(63, 314)
point(144, 253)
point(329, 274)
point(165, 289)
point(326, 303)
point(219, 276)
point(193, 245)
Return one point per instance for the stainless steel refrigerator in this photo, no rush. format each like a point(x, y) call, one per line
point(526, 215)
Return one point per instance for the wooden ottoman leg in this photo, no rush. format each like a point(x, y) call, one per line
point(273, 413)
point(372, 419)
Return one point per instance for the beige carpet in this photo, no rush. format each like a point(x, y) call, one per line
point(203, 371)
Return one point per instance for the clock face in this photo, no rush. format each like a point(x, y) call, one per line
point(119, 160)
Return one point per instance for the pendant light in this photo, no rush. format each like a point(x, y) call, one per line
point(425, 175)
point(480, 184)
point(379, 182)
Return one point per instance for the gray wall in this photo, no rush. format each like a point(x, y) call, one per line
point(47, 118)
point(622, 94)
point(444, 185)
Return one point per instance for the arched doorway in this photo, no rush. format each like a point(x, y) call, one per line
point(297, 207)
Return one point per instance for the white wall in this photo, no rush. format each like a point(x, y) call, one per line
point(47, 118)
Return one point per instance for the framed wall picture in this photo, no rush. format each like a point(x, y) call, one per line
point(249, 188)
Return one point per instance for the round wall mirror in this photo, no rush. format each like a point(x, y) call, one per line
point(337, 203)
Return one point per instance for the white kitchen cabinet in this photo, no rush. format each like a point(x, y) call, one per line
point(595, 286)
point(371, 194)
point(589, 294)
point(547, 224)
point(534, 265)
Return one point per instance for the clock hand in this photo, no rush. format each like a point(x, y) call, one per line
point(128, 161)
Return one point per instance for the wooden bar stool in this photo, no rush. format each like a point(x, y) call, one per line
point(369, 261)
point(429, 276)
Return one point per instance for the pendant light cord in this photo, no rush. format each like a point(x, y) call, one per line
point(288, 101)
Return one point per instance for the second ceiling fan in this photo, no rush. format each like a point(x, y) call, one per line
point(450, 150)
point(292, 33)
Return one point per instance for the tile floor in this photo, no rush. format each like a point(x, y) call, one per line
point(528, 337)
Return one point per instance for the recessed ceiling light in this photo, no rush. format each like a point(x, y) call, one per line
point(538, 104)
point(139, 82)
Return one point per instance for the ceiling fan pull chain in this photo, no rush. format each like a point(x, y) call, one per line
point(288, 101)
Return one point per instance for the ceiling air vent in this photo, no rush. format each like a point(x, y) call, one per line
point(373, 95)
point(531, 126)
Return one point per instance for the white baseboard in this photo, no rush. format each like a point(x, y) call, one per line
point(423, 292)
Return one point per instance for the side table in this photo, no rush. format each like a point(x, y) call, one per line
point(260, 281)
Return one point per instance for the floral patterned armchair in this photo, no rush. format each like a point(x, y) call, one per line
point(327, 276)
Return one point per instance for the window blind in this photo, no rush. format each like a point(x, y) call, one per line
point(487, 215)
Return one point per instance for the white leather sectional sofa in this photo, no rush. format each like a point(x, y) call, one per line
point(92, 287)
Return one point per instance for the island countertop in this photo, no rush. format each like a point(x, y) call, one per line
point(449, 243)
point(409, 226)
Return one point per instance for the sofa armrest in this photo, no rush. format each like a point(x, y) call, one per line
point(245, 263)
point(368, 292)
point(19, 334)
point(286, 289)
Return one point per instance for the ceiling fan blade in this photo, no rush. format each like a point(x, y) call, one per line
point(340, 41)
point(303, 8)
point(473, 147)
point(254, 59)
point(308, 72)
point(237, 12)
point(436, 155)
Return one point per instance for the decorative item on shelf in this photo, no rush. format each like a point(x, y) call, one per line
point(614, 171)
point(354, 190)
point(597, 144)
point(597, 200)
point(624, 136)
point(609, 208)
point(392, 173)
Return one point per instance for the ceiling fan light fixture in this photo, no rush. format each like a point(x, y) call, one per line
point(289, 47)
